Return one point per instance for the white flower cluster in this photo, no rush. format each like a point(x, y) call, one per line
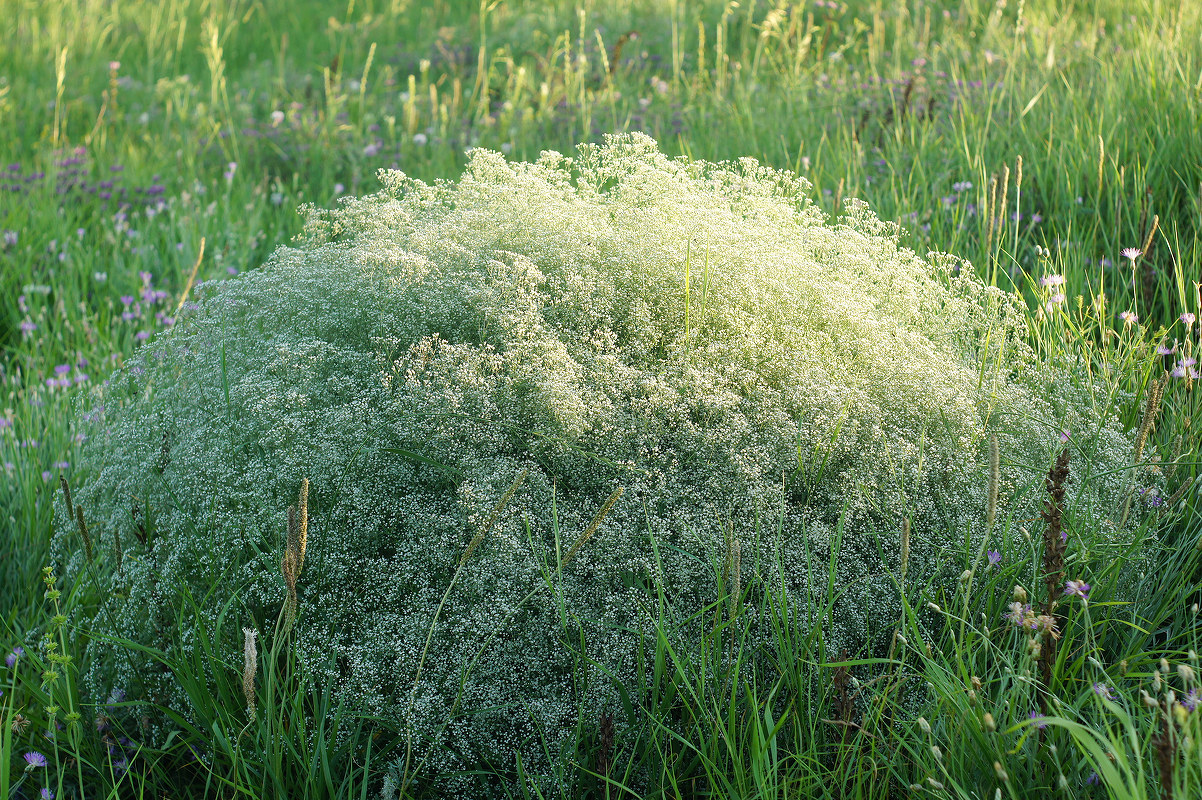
point(694, 333)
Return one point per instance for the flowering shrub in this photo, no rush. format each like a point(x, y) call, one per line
point(762, 386)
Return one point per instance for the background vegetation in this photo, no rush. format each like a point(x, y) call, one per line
point(148, 146)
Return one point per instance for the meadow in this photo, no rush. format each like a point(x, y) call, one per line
point(149, 151)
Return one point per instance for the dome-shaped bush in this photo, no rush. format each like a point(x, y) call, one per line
point(694, 334)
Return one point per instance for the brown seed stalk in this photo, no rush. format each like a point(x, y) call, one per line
point(62, 480)
point(1054, 545)
point(1166, 756)
point(1054, 540)
point(83, 532)
point(605, 726)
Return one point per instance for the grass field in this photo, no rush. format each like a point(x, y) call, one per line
point(146, 147)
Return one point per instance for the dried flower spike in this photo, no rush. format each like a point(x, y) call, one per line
point(250, 666)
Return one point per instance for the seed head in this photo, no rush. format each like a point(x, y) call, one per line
point(250, 666)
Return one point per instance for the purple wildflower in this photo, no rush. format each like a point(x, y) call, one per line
point(62, 369)
point(1189, 320)
point(1165, 350)
point(1185, 367)
point(45, 794)
point(995, 558)
point(1037, 719)
point(10, 660)
point(1077, 588)
point(1103, 691)
point(1129, 317)
point(1064, 436)
point(1190, 701)
point(35, 759)
point(1051, 280)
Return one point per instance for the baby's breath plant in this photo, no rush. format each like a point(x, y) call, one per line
point(467, 372)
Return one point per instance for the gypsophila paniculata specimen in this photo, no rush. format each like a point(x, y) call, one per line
point(674, 350)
